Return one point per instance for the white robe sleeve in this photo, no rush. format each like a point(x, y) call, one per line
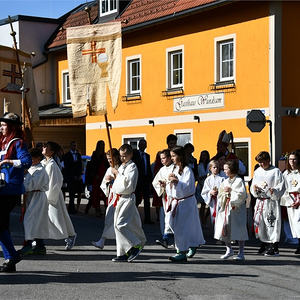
point(104, 184)
point(55, 183)
point(279, 186)
point(186, 184)
point(205, 193)
point(126, 181)
point(156, 185)
point(238, 193)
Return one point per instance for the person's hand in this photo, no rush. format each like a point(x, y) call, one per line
point(114, 171)
point(227, 189)
point(173, 178)
point(162, 183)
point(271, 191)
point(214, 193)
point(109, 178)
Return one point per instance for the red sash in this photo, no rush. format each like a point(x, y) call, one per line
point(260, 206)
point(296, 199)
point(177, 201)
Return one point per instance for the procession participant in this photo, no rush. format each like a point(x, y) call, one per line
point(36, 221)
point(106, 185)
point(130, 237)
point(268, 187)
point(210, 189)
point(60, 226)
point(291, 197)
point(231, 219)
point(14, 158)
point(184, 221)
point(159, 183)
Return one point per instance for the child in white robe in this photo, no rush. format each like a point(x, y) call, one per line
point(106, 185)
point(184, 221)
point(210, 189)
point(159, 183)
point(231, 220)
point(36, 221)
point(61, 226)
point(130, 237)
point(291, 197)
point(268, 187)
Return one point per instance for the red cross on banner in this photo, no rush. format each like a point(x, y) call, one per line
point(93, 51)
point(12, 73)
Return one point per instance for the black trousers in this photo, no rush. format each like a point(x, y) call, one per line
point(7, 203)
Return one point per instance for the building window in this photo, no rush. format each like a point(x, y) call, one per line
point(133, 140)
point(225, 59)
point(66, 87)
point(108, 7)
point(175, 68)
point(242, 152)
point(184, 136)
point(134, 76)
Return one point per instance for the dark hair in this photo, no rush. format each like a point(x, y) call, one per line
point(54, 147)
point(166, 152)
point(189, 146)
point(171, 137)
point(178, 150)
point(36, 152)
point(126, 148)
point(297, 154)
point(115, 156)
point(263, 156)
point(233, 166)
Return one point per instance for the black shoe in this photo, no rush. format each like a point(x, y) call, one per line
point(122, 258)
point(297, 250)
point(262, 249)
point(134, 252)
point(271, 252)
point(163, 243)
point(8, 266)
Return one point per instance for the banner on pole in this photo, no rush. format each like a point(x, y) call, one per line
point(10, 83)
point(95, 62)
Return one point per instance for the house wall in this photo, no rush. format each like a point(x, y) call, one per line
point(250, 24)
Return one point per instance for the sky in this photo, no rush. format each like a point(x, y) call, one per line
point(39, 8)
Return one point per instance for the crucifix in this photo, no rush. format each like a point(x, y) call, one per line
point(13, 74)
point(93, 51)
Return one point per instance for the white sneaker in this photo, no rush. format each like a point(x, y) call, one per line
point(99, 244)
point(227, 255)
point(70, 242)
point(239, 257)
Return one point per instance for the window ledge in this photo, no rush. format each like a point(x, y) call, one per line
point(173, 92)
point(222, 85)
point(132, 97)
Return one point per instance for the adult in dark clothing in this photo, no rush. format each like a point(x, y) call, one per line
point(95, 171)
point(145, 177)
point(14, 159)
point(72, 175)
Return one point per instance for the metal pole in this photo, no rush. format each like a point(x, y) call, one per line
point(271, 140)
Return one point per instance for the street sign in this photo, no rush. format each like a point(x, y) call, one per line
point(255, 120)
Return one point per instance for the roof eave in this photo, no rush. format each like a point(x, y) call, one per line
point(177, 15)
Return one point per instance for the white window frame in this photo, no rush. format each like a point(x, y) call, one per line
point(64, 87)
point(217, 57)
point(169, 69)
point(133, 136)
point(128, 74)
point(109, 10)
point(246, 140)
point(185, 131)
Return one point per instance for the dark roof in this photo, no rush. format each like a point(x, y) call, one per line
point(76, 17)
point(143, 11)
point(138, 13)
point(29, 18)
point(55, 111)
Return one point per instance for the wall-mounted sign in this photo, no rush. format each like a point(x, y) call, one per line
point(196, 102)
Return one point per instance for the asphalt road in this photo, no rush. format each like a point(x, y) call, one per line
point(88, 273)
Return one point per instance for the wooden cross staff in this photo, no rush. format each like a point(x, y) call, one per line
point(88, 11)
point(24, 106)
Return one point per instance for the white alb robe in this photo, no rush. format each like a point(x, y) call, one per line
point(231, 219)
point(127, 220)
point(211, 182)
point(292, 184)
point(61, 225)
point(184, 221)
point(162, 175)
point(267, 216)
point(36, 221)
point(108, 231)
